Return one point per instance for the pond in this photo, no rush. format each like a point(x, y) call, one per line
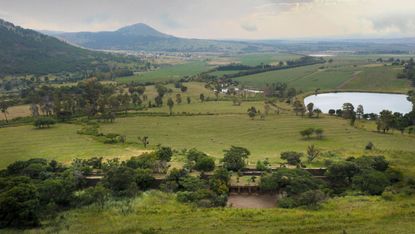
point(371, 102)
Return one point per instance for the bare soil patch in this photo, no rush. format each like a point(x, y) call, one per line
point(252, 201)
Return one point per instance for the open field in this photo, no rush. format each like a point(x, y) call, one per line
point(16, 111)
point(60, 142)
point(160, 213)
point(345, 73)
point(266, 138)
point(265, 58)
point(168, 73)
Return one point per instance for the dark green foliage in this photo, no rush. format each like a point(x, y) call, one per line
point(122, 181)
point(340, 174)
point(19, 204)
point(292, 158)
point(235, 157)
point(26, 51)
point(44, 122)
point(205, 164)
point(98, 194)
point(144, 161)
point(292, 181)
point(199, 161)
point(164, 153)
point(371, 181)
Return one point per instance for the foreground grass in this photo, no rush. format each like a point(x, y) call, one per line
point(161, 213)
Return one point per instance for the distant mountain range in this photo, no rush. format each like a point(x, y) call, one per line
point(141, 37)
point(24, 51)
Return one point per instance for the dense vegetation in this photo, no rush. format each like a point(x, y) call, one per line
point(26, 51)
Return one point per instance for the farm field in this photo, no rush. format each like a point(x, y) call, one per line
point(268, 138)
point(167, 73)
point(345, 73)
point(16, 111)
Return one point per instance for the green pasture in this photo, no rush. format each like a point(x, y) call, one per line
point(168, 72)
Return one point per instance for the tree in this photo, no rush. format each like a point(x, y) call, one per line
point(234, 158)
point(164, 153)
point(121, 181)
point(178, 98)
point(205, 164)
point(359, 111)
point(44, 122)
point(371, 181)
point(312, 153)
point(340, 174)
point(252, 112)
point(307, 132)
point(292, 158)
point(183, 89)
point(332, 112)
point(202, 97)
point(385, 121)
point(310, 108)
point(348, 110)
point(158, 101)
point(318, 112)
point(189, 100)
point(144, 140)
point(3, 108)
point(170, 104)
point(298, 107)
point(19, 206)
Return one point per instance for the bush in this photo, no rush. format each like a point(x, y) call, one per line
point(205, 164)
point(311, 198)
point(44, 122)
point(292, 158)
point(287, 202)
point(371, 181)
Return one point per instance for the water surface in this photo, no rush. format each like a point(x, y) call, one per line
point(371, 102)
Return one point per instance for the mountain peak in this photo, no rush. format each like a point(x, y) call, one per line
point(141, 29)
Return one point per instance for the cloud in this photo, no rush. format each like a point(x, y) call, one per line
point(249, 27)
point(253, 19)
point(402, 23)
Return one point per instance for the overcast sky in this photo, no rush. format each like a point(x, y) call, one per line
point(237, 19)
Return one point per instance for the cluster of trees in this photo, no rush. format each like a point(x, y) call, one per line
point(369, 175)
point(279, 90)
point(249, 70)
point(89, 97)
point(385, 121)
point(408, 71)
point(35, 189)
point(308, 132)
point(311, 110)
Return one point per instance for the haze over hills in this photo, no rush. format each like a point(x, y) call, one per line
point(141, 37)
point(24, 51)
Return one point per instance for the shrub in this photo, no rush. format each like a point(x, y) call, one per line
point(287, 202)
point(371, 181)
point(292, 158)
point(44, 122)
point(307, 132)
point(311, 198)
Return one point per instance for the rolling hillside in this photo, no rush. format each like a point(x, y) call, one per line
point(24, 51)
point(141, 37)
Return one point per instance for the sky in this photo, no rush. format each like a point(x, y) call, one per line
point(222, 19)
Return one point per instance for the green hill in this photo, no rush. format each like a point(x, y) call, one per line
point(25, 51)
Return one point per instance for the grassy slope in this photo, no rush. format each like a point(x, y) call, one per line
point(264, 138)
point(345, 73)
point(175, 72)
point(60, 142)
point(162, 213)
point(378, 79)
